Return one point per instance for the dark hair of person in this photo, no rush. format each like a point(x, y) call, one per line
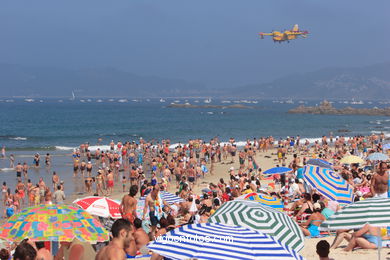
point(4, 254)
point(25, 251)
point(316, 197)
point(323, 248)
point(133, 190)
point(163, 222)
point(119, 225)
point(307, 196)
point(40, 245)
point(137, 223)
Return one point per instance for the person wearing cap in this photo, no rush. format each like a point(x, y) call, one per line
point(310, 227)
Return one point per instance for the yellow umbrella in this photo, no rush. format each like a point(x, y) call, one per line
point(351, 159)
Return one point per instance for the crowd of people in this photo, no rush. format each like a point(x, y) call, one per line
point(146, 169)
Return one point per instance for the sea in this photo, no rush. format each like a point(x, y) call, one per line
point(57, 126)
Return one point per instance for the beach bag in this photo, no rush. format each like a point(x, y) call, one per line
point(10, 212)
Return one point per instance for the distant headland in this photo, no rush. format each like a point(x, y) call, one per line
point(326, 108)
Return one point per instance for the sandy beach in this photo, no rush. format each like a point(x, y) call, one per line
point(265, 161)
point(309, 250)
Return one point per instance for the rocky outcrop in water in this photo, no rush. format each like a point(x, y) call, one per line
point(326, 108)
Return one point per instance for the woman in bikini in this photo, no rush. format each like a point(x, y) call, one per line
point(310, 227)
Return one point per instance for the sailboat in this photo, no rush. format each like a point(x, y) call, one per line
point(73, 96)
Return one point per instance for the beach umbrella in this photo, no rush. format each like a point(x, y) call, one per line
point(320, 163)
point(53, 223)
point(328, 183)
point(167, 197)
point(350, 159)
point(386, 146)
point(218, 241)
point(374, 211)
point(100, 206)
point(278, 170)
point(256, 216)
point(377, 157)
point(263, 199)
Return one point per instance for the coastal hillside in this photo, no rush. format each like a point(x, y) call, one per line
point(370, 82)
point(16, 80)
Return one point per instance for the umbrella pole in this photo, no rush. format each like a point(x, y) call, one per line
point(379, 246)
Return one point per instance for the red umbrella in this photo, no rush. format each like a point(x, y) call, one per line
point(100, 206)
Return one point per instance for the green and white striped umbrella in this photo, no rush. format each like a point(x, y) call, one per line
point(259, 217)
point(374, 211)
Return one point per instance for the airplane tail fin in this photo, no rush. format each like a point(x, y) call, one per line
point(295, 28)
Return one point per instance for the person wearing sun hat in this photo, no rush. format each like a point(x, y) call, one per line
point(310, 227)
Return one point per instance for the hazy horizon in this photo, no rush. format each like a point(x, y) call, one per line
point(215, 43)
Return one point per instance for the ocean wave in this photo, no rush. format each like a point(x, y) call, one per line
point(18, 138)
point(64, 148)
point(6, 169)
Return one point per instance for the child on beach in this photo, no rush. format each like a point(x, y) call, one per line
point(124, 183)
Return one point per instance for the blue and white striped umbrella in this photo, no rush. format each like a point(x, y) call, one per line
point(278, 170)
point(377, 157)
point(168, 197)
point(329, 183)
point(320, 163)
point(217, 241)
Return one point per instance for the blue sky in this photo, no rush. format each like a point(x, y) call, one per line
point(214, 41)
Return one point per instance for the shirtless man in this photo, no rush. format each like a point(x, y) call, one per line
point(75, 167)
point(19, 169)
point(151, 202)
point(379, 182)
point(42, 187)
point(133, 175)
point(83, 166)
point(56, 180)
point(25, 170)
point(122, 239)
point(140, 236)
point(128, 205)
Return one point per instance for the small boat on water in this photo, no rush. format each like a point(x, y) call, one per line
point(207, 101)
point(162, 100)
point(122, 100)
point(29, 100)
point(99, 101)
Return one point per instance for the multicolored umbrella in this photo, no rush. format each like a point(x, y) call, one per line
point(168, 197)
point(53, 223)
point(328, 183)
point(100, 206)
point(378, 157)
point(278, 170)
point(320, 163)
point(350, 159)
point(267, 220)
point(217, 241)
point(375, 211)
point(263, 199)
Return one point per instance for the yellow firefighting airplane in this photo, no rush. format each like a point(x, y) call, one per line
point(287, 35)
